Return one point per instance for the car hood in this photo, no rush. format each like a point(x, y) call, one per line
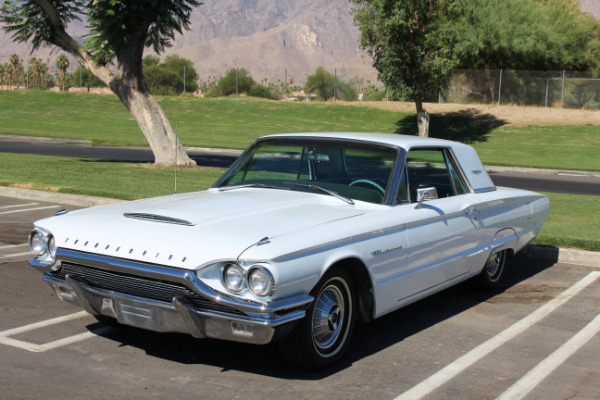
point(190, 230)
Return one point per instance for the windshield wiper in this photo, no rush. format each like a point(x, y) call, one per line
point(251, 185)
point(322, 189)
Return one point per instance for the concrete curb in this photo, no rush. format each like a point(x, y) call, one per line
point(592, 174)
point(60, 198)
point(561, 255)
point(550, 254)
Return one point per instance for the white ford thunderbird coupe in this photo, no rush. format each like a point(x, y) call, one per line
point(304, 235)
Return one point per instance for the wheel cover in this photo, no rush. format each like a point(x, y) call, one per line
point(494, 265)
point(328, 317)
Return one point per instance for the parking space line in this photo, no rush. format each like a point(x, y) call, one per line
point(18, 205)
point(450, 371)
point(6, 339)
point(28, 209)
point(40, 348)
point(15, 255)
point(43, 324)
point(534, 377)
point(12, 246)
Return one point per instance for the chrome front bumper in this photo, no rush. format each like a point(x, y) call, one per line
point(230, 319)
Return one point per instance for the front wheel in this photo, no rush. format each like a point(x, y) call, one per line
point(322, 337)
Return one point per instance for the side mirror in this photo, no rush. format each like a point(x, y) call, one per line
point(428, 193)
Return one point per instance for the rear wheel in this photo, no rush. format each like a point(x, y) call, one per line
point(493, 269)
point(322, 337)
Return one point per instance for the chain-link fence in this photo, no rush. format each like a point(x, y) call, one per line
point(563, 89)
point(560, 89)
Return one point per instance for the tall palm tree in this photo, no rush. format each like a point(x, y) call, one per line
point(16, 67)
point(3, 72)
point(35, 78)
point(62, 63)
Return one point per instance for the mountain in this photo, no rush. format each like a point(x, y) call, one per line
point(273, 39)
point(591, 6)
point(267, 37)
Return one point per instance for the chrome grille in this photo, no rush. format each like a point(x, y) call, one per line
point(137, 286)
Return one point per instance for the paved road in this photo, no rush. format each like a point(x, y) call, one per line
point(537, 335)
point(538, 182)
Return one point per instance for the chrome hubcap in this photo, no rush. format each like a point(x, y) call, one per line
point(328, 317)
point(494, 264)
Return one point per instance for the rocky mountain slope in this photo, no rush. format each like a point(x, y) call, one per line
point(273, 39)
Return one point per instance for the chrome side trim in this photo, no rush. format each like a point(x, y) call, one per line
point(486, 190)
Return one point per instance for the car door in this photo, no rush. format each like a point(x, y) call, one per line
point(441, 232)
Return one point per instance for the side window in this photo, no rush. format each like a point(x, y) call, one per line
point(430, 168)
point(459, 186)
point(402, 197)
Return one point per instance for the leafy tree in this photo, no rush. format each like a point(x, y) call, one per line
point(527, 34)
point(239, 79)
point(258, 90)
point(120, 30)
point(85, 78)
point(62, 63)
point(168, 78)
point(321, 83)
point(150, 61)
point(183, 66)
point(412, 43)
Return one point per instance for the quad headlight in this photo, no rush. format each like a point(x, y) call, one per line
point(257, 279)
point(42, 245)
point(234, 277)
point(261, 281)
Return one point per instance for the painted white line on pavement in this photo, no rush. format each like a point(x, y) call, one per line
point(43, 324)
point(18, 205)
point(450, 371)
point(16, 255)
point(12, 246)
point(38, 348)
point(534, 377)
point(28, 209)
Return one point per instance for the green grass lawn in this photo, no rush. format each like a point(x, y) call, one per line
point(233, 124)
point(574, 220)
point(228, 123)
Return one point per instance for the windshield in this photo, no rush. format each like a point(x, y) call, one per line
point(358, 171)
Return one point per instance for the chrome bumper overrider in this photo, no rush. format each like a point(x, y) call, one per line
point(229, 319)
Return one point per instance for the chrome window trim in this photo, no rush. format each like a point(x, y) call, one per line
point(390, 193)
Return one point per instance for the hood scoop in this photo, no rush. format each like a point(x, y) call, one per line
point(158, 218)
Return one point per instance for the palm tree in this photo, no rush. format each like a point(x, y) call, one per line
point(16, 67)
point(62, 63)
point(3, 72)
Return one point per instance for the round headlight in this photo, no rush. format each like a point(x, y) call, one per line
point(52, 246)
point(261, 281)
point(233, 276)
point(38, 243)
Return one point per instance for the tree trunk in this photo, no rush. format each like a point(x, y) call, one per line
point(154, 124)
point(422, 117)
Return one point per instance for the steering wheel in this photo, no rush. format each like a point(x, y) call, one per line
point(369, 182)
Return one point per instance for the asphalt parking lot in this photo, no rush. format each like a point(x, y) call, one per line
point(534, 338)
